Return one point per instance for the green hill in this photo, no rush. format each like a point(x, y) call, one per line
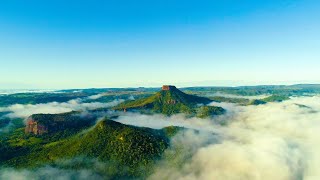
point(256, 102)
point(272, 98)
point(128, 150)
point(207, 111)
point(276, 98)
point(169, 100)
point(41, 129)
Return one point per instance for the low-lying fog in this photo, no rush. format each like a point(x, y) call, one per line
point(220, 94)
point(272, 141)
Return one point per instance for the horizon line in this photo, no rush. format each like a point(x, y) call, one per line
point(151, 87)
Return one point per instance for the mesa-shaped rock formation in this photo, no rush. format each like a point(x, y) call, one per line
point(40, 124)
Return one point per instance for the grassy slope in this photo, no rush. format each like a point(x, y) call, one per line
point(158, 102)
point(207, 111)
point(240, 101)
point(131, 150)
point(276, 98)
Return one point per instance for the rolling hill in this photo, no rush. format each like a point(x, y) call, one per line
point(129, 151)
point(169, 100)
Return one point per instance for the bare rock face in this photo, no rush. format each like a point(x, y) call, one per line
point(40, 124)
point(35, 128)
point(168, 87)
point(172, 101)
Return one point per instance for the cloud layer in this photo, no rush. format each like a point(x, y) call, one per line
point(23, 111)
point(236, 96)
point(49, 173)
point(273, 141)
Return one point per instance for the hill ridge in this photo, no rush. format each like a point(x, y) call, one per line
point(169, 100)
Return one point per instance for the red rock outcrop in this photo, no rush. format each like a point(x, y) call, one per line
point(168, 87)
point(40, 124)
point(35, 128)
point(172, 101)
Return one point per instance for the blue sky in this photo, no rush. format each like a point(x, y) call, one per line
point(121, 43)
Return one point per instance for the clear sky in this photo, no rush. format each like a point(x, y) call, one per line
point(121, 43)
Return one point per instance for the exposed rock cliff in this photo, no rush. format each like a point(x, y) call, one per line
point(34, 127)
point(39, 124)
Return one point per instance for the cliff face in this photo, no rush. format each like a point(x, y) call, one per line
point(35, 128)
point(168, 87)
point(39, 124)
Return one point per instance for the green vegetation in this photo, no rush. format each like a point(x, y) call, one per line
point(170, 131)
point(272, 98)
point(4, 122)
point(207, 111)
point(17, 144)
point(166, 102)
point(240, 101)
point(36, 98)
point(292, 90)
point(131, 150)
point(112, 149)
point(276, 98)
point(71, 121)
point(112, 95)
point(7, 125)
point(107, 95)
point(257, 102)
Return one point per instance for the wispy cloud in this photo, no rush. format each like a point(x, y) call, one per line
point(23, 111)
point(48, 173)
point(273, 141)
point(15, 91)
